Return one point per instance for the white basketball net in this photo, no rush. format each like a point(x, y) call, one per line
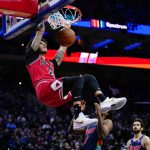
point(64, 18)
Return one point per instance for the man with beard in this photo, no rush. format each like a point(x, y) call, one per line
point(139, 141)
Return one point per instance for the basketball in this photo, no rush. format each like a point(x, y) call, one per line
point(65, 37)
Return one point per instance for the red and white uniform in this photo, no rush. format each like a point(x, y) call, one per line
point(49, 90)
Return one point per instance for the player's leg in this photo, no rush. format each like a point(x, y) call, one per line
point(91, 84)
point(75, 85)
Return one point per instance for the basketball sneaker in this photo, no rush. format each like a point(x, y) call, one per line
point(82, 121)
point(112, 104)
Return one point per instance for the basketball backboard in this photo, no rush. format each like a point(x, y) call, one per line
point(13, 26)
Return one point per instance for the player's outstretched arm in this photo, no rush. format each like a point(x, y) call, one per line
point(104, 126)
point(39, 33)
point(60, 54)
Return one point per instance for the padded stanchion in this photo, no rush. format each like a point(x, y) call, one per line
point(20, 8)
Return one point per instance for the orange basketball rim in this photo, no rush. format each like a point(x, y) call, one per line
point(64, 17)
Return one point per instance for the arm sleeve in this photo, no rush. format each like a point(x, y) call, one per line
point(55, 66)
point(31, 55)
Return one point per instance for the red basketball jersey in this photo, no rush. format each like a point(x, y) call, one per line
point(41, 69)
point(49, 90)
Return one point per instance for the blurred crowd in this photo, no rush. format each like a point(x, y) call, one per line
point(26, 124)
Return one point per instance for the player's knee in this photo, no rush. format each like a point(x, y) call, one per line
point(89, 77)
point(79, 79)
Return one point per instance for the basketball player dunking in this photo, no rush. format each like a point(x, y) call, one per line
point(53, 91)
point(139, 141)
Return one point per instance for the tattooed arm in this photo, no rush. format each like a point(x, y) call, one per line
point(60, 54)
point(37, 39)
